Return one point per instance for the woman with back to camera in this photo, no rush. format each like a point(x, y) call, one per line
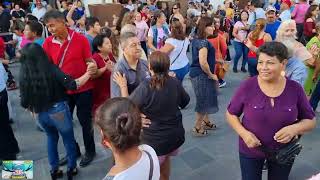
point(176, 46)
point(42, 88)
point(160, 99)
point(275, 112)
point(120, 123)
point(256, 38)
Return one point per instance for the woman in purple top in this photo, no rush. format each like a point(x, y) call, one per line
point(274, 112)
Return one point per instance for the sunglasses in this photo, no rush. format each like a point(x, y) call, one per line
point(174, 8)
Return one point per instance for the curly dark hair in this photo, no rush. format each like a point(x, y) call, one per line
point(274, 49)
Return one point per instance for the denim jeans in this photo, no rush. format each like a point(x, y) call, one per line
point(315, 97)
point(55, 121)
point(181, 73)
point(241, 50)
point(83, 101)
point(9, 48)
point(251, 169)
point(252, 66)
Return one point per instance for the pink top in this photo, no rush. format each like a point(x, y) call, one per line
point(242, 33)
point(299, 12)
point(24, 42)
point(142, 30)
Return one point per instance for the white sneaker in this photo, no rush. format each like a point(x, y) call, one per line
point(223, 84)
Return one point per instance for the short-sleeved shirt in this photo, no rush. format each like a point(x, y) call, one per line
point(3, 77)
point(263, 120)
point(180, 59)
point(166, 132)
point(285, 15)
point(272, 28)
point(5, 18)
point(140, 170)
point(90, 39)
point(74, 63)
point(296, 70)
point(101, 85)
point(134, 76)
point(300, 11)
point(142, 26)
point(195, 68)
point(242, 33)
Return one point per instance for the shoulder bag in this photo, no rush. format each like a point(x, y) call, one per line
point(179, 53)
point(151, 165)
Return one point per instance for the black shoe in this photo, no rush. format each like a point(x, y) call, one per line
point(56, 174)
point(11, 121)
point(64, 160)
point(71, 173)
point(243, 69)
point(235, 70)
point(86, 159)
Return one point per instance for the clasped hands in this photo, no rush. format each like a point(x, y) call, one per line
point(284, 135)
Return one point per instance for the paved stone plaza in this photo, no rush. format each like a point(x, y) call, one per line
point(208, 158)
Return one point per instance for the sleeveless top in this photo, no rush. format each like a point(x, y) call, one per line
point(257, 43)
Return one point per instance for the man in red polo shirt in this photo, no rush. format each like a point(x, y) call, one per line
point(71, 52)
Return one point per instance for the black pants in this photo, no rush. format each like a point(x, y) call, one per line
point(300, 31)
point(83, 101)
point(10, 76)
point(144, 47)
point(8, 143)
point(9, 48)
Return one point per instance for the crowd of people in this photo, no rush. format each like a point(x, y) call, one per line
point(127, 78)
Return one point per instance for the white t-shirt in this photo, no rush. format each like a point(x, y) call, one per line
point(182, 60)
point(285, 15)
point(140, 170)
point(18, 39)
point(39, 13)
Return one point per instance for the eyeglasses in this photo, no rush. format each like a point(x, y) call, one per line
point(174, 8)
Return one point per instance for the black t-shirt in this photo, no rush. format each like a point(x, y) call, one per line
point(18, 14)
point(162, 107)
point(5, 18)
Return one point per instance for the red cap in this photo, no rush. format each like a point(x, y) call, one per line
point(288, 2)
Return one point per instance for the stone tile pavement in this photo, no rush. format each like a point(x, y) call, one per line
point(208, 158)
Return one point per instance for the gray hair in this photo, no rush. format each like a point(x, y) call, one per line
point(128, 28)
point(124, 38)
point(291, 45)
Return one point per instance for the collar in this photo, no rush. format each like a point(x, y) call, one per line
point(126, 65)
point(54, 40)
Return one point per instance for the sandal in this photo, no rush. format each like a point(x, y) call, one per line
point(209, 125)
point(198, 133)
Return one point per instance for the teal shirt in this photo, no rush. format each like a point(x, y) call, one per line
point(39, 41)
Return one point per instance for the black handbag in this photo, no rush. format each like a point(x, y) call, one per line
point(285, 155)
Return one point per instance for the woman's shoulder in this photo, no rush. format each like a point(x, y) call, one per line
point(309, 20)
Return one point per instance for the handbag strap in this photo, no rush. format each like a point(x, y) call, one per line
point(179, 53)
point(151, 165)
point(65, 51)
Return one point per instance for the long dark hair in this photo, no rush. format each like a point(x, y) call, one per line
point(310, 10)
point(159, 64)
point(37, 82)
point(203, 23)
point(120, 122)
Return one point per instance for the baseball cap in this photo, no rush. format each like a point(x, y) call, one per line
point(288, 2)
point(271, 8)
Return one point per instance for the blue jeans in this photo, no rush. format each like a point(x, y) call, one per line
point(251, 169)
point(252, 66)
point(55, 121)
point(181, 73)
point(315, 97)
point(241, 50)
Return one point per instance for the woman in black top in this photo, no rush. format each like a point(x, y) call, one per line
point(160, 99)
point(42, 89)
point(17, 12)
